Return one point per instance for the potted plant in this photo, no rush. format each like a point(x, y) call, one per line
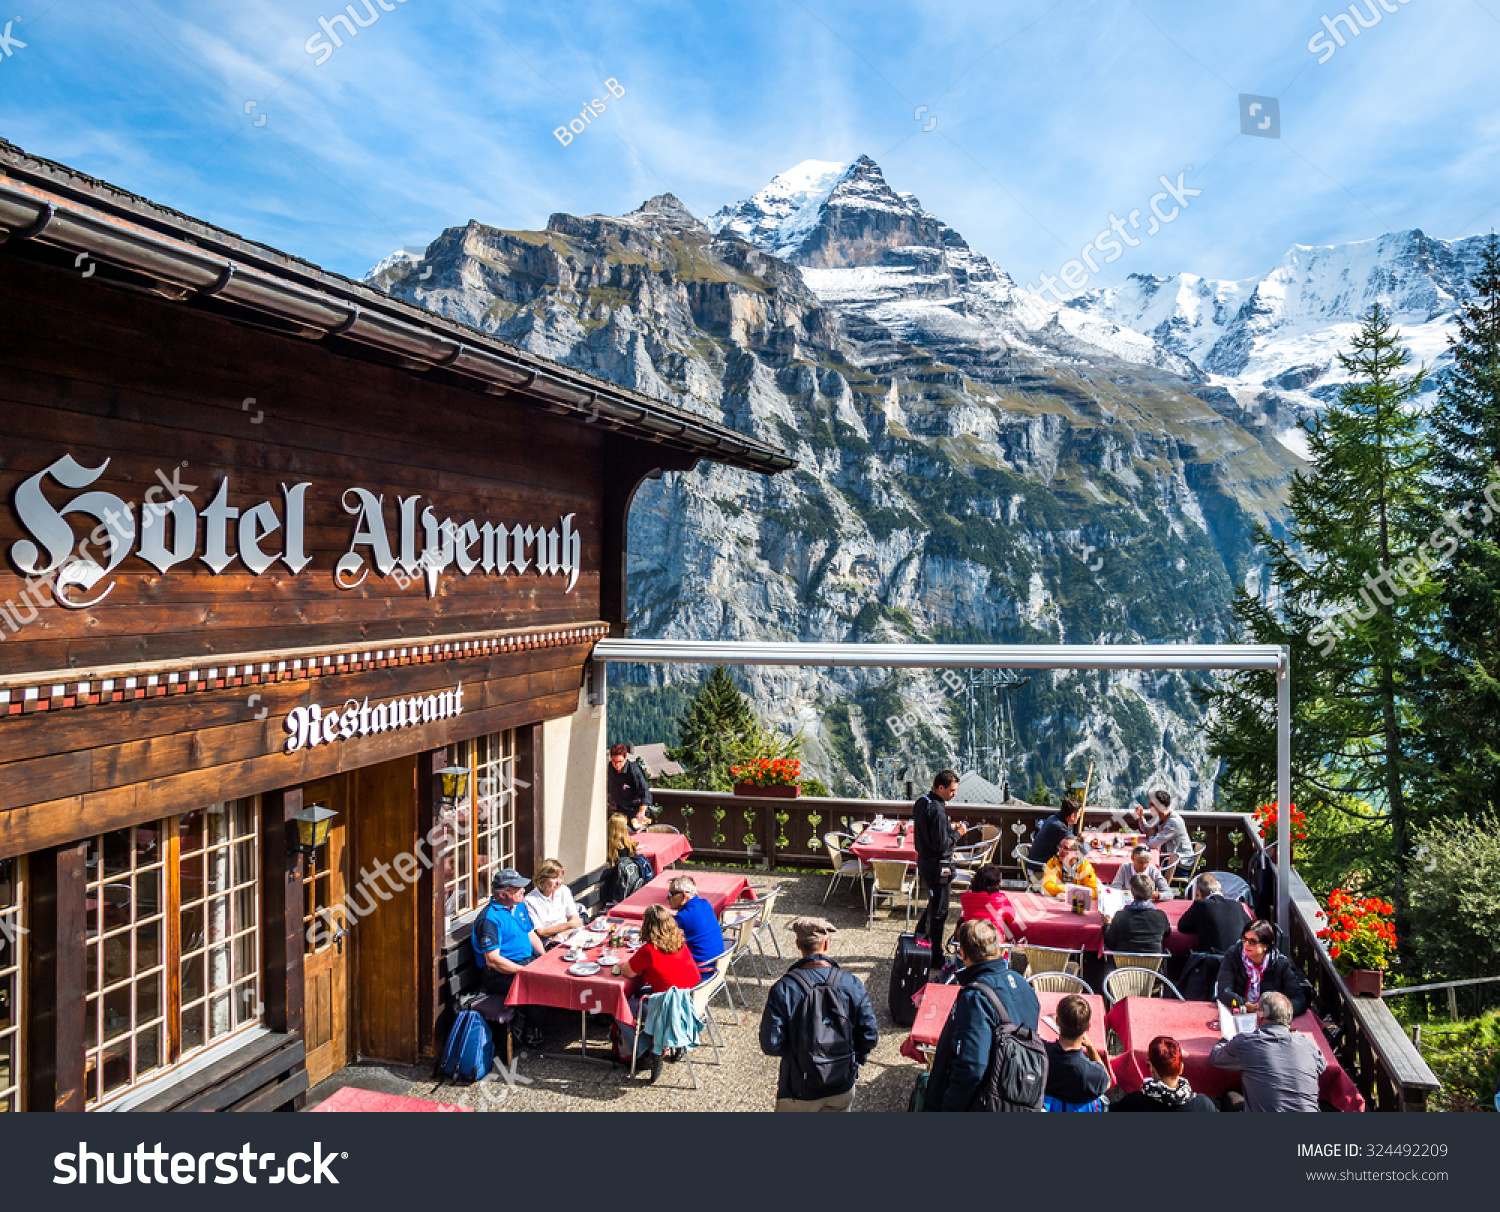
point(1360, 939)
point(775, 777)
point(1267, 821)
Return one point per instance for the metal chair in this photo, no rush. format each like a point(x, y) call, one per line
point(1033, 871)
point(1133, 959)
point(686, 1043)
point(1052, 959)
point(1059, 982)
point(1233, 886)
point(704, 994)
point(765, 898)
point(661, 829)
point(892, 878)
point(845, 865)
point(1185, 869)
point(1137, 982)
point(739, 939)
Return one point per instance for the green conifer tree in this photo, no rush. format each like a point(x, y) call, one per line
point(1464, 706)
point(717, 720)
point(1355, 601)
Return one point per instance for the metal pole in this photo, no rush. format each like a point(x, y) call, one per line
point(1284, 792)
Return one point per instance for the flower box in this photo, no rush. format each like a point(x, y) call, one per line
point(1364, 982)
point(776, 791)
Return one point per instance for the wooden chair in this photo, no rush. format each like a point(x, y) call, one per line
point(1059, 982)
point(1137, 982)
point(845, 865)
point(892, 878)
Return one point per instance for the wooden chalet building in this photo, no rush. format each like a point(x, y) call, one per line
point(271, 540)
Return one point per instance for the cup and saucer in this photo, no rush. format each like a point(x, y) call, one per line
point(573, 955)
point(608, 959)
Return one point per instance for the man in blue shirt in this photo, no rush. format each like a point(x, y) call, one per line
point(504, 943)
point(695, 917)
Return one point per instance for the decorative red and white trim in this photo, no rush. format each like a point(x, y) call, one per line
point(121, 688)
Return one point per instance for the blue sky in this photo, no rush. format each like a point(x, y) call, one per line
point(1050, 115)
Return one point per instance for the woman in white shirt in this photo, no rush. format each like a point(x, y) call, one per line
point(550, 901)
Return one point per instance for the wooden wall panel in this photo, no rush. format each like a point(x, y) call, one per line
point(152, 386)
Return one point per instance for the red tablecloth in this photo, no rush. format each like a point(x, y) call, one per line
point(1195, 1027)
point(1044, 921)
point(352, 1098)
point(893, 846)
point(935, 1003)
point(663, 849)
point(546, 981)
point(717, 888)
point(1105, 863)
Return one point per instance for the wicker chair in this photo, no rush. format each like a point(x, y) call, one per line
point(892, 878)
point(1059, 982)
point(661, 829)
point(1132, 959)
point(1137, 982)
point(1052, 959)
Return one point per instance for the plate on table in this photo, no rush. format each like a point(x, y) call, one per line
point(587, 968)
point(585, 939)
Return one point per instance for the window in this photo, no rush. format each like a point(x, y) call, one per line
point(173, 921)
point(218, 861)
point(11, 934)
point(319, 923)
point(479, 817)
point(125, 1035)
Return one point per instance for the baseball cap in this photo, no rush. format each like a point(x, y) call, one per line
point(507, 877)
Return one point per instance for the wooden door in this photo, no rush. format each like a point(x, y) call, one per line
point(326, 950)
point(383, 803)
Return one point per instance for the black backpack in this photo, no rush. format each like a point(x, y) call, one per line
point(1016, 1079)
point(822, 1039)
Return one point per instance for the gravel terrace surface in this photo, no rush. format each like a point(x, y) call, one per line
point(746, 1081)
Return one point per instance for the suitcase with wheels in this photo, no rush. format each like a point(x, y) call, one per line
point(909, 973)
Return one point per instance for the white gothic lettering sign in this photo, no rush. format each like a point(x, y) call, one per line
point(311, 726)
point(262, 534)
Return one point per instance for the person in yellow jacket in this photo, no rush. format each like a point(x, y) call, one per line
point(1069, 866)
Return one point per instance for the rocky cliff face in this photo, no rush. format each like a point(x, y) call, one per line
point(974, 466)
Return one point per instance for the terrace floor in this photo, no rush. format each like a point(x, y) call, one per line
point(747, 1079)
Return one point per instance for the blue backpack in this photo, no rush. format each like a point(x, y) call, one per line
point(470, 1051)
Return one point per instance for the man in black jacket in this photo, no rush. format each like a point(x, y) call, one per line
point(1254, 967)
point(1217, 921)
point(935, 836)
point(1051, 831)
point(625, 787)
point(1140, 928)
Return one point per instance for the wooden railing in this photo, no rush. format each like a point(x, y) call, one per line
point(1369, 1042)
point(728, 828)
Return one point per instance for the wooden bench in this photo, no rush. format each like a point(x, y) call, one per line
point(459, 975)
point(267, 1074)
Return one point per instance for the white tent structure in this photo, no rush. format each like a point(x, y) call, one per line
point(1264, 657)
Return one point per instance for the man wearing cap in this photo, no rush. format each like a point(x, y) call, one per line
point(505, 942)
point(823, 1081)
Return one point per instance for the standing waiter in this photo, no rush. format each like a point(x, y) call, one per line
point(935, 836)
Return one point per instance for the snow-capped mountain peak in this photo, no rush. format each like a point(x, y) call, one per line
point(779, 216)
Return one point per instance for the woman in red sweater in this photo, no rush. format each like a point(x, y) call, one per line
point(985, 901)
point(664, 961)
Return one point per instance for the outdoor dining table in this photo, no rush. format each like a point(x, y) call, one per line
point(1195, 1027)
point(1116, 854)
point(546, 981)
point(717, 888)
point(663, 849)
point(935, 1003)
point(1045, 921)
point(885, 844)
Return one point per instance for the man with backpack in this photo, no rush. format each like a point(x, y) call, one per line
point(988, 1057)
point(819, 1020)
